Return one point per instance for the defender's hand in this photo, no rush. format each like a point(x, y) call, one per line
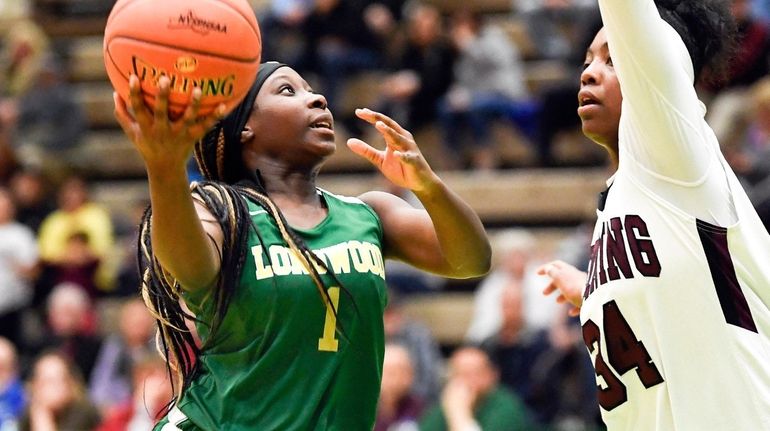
point(568, 280)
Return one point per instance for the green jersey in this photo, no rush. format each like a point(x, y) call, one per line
point(281, 359)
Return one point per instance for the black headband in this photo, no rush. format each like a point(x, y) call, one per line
point(233, 124)
point(230, 127)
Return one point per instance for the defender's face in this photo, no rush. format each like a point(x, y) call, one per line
point(599, 99)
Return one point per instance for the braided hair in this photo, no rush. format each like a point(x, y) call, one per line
point(707, 29)
point(228, 183)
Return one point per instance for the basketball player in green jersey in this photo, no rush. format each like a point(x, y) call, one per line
point(285, 281)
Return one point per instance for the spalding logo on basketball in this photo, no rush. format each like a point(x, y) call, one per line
point(214, 45)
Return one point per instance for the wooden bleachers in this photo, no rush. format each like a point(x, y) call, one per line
point(447, 315)
point(561, 197)
point(85, 60)
point(528, 196)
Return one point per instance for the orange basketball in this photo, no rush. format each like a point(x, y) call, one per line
point(211, 44)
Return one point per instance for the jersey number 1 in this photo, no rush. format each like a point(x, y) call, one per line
point(624, 353)
point(328, 343)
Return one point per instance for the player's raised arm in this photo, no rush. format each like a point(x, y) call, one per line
point(186, 247)
point(446, 238)
point(656, 77)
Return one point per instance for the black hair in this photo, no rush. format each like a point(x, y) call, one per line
point(707, 29)
point(227, 186)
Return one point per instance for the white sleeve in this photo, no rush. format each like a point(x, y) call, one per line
point(656, 76)
point(664, 139)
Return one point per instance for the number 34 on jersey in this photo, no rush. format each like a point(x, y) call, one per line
point(624, 353)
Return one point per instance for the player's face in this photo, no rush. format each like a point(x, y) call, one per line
point(599, 98)
point(290, 119)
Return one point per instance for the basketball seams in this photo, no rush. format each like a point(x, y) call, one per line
point(193, 51)
point(240, 14)
point(127, 32)
point(253, 26)
point(171, 103)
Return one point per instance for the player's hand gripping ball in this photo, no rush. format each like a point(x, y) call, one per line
point(211, 44)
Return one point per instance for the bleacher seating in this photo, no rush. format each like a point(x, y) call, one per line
point(551, 200)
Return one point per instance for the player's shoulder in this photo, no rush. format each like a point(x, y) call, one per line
point(341, 198)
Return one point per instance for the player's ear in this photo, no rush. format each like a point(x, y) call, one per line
point(247, 134)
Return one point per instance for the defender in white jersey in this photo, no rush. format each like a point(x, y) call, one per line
point(674, 306)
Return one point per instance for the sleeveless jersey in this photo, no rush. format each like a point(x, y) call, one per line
point(675, 311)
point(281, 360)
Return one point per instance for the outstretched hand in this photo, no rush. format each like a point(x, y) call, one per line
point(160, 140)
point(401, 161)
point(568, 280)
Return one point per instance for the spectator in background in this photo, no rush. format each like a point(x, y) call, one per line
point(57, 399)
point(110, 383)
point(472, 399)
point(489, 83)
point(78, 265)
point(398, 408)
point(729, 92)
point(384, 17)
point(127, 283)
point(339, 44)
point(422, 73)
point(422, 347)
point(71, 323)
point(29, 188)
point(515, 348)
point(50, 122)
point(24, 49)
point(8, 161)
point(514, 262)
point(281, 27)
point(18, 260)
point(12, 396)
point(151, 391)
point(748, 152)
point(75, 214)
point(554, 26)
point(563, 382)
point(751, 59)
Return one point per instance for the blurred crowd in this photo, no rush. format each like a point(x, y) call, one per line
point(76, 342)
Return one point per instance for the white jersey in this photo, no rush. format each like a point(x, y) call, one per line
point(675, 312)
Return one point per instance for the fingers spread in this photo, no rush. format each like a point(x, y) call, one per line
point(136, 99)
point(190, 116)
point(392, 137)
point(205, 124)
point(373, 117)
point(366, 151)
point(161, 101)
